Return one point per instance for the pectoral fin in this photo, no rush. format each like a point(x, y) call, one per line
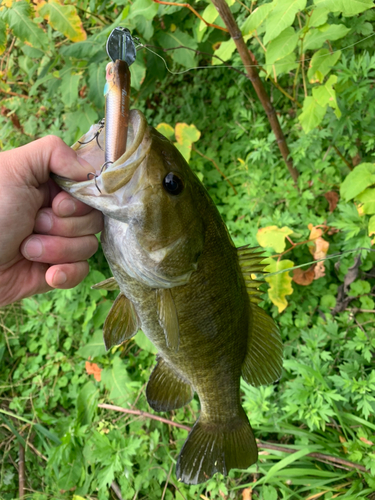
point(264, 358)
point(168, 317)
point(110, 284)
point(166, 390)
point(121, 323)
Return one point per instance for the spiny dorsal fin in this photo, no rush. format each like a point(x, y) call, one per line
point(250, 261)
point(121, 323)
point(168, 317)
point(166, 390)
point(108, 284)
point(264, 358)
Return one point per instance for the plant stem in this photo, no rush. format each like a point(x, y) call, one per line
point(253, 76)
point(21, 472)
point(216, 166)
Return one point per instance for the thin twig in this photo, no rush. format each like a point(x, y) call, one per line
point(349, 165)
point(144, 414)
point(216, 166)
point(21, 472)
point(116, 488)
point(167, 481)
point(188, 6)
point(322, 457)
point(15, 94)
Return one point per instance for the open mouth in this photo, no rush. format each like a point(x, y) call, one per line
point(108, 177)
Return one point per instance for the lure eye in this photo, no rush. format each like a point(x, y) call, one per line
point(173, 184)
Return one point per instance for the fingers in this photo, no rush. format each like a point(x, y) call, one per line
point(66, 275)
point(32, 164)
point(57, 249)
point(65, 205)
point(48, 223)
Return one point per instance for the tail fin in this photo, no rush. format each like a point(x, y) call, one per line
point(213, 447)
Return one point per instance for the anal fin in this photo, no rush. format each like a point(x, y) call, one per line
point(108, 284)
point(264, 358)
point(166, 390)
point(121, 323)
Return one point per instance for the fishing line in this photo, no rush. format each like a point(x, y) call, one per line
point(333, 256)
point(214, 66)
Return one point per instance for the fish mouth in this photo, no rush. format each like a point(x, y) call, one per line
point(110, 177)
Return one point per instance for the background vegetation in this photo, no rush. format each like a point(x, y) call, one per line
point(316, 426)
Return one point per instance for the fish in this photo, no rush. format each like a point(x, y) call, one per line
point(189, 289)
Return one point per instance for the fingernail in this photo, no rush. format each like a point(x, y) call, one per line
point(59, 278)
point(66, 208)
point(43, 223)
point(33, 248)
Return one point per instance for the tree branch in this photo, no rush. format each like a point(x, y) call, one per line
point(235, 33)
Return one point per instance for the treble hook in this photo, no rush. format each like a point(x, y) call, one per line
point(95, 177)
point(96, 136)
point(105, 165)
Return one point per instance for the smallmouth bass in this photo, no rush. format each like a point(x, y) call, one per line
point(189, 289)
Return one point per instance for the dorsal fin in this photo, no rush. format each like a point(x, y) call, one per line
point(168, 317)
point(250, 261)
point(108, 284)
point(263, 360)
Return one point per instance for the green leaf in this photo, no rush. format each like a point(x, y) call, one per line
point(87, 403)
point(96, 84)
point(280, 284)
point(283, 66)
point(179, 38)
point(166, 130)
point(273, 237)
point(83, 50)
point(318, 17)
point(144, 343)
point(185, 136)
point(312, 114)
point(317, 37)
point(325, 95)
point(321, 64)
point(367, 197)
point(282, 17)
point(371, 226)
point(3, 36)
point(117, 381)
point(69, 88)
point(256, 18)
point(147, 9)
point(209, 14)
point(225, 51)
point(94, 348)
point(19, 19)
point(63, 18)
point(357, 181)
point(138, 73)
point(347, 7)
point(282, 45)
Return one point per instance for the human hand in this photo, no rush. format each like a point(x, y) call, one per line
point(46, 236)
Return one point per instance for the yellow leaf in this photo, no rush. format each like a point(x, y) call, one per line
point(274, 237)
point(280, 284)
point(186, 135)
point(63, 18)
point(165, 130)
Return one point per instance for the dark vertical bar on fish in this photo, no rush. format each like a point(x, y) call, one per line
point(117, 102)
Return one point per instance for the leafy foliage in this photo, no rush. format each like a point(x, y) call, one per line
point(319, 66)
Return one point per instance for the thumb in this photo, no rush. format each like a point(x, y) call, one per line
point(32, 164)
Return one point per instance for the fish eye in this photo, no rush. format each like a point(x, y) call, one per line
point(173, 184)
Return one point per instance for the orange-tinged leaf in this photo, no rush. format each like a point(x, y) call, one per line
point(93, 369)
point(274, 237)
point(333, 198)
point(166, 130)
point(247, 494)
point(343, 440)
point(304, 278)
point(186, 134)
point(280, 284)
point(318, 249)
point(366, 441)
point(63, 18)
